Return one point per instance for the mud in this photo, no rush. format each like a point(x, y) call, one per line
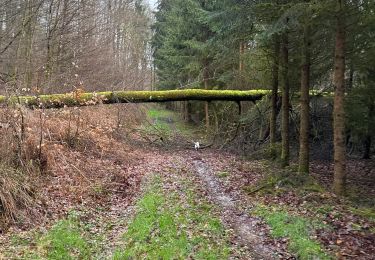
point(233, 215)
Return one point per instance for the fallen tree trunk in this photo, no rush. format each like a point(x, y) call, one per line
point(88, 99)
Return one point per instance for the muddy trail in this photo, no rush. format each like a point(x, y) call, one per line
point(249, 237)
point(235, 215)
point(248, 233)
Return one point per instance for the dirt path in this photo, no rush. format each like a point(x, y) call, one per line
point(247, 233)
point(247, 239)
point(232, 215)
point(188, 174)
point(92, 198)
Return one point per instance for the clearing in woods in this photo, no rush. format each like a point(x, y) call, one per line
point(173, 202)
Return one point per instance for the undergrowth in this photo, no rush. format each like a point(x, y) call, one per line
point(366, 212)
point(274, 182)
point(285, 222)
point(16, 193)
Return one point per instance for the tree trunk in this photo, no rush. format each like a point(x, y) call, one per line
point(207, 115)
point(241, 66)
point(367, 141)
point(303, 166)
point(275, 89)
point(29, 35)
point(50, 44)
point(338, 110)
point(89, 99)
point(285, 101)
point(351, 77)
point(242, 51)
point(206, 104)
point(367, 147)
point(188, 108)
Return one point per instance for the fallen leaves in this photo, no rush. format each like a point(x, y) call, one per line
point(105, 170)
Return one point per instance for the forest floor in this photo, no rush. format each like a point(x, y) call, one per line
point(135, 189)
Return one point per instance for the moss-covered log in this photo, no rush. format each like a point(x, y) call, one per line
point(87, 99)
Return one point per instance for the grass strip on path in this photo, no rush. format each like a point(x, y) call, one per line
point(174, 224)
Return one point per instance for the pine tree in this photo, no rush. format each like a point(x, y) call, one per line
point(339, 112)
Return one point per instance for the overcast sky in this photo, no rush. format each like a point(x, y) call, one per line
point(152, 3)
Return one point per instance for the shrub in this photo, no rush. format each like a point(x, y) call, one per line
point(16, 193)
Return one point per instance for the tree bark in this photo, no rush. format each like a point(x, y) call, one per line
point(285, 101)
point(367, 147)
point(351, 77)
point(368, 139)
point(242, 51)
point(29, 35)
point(206, 104)
point(88, 99)
point(187, 106)
point(338, 111)
point(274, 97)
point(303, 166)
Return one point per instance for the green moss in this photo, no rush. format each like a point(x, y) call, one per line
point(82, 99)
point(321, 93)
point(108, 97)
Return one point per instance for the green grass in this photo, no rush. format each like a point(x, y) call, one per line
point(222, 174)
point(161, 120)
point(169, 227)
point(64, 241)
point(160, 113)
point(297, 229)
point(357, 196)
point(366, 212)
point(323, 209)
point(68, 238)
point(166, 123)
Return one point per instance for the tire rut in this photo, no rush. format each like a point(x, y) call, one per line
point(233, 216)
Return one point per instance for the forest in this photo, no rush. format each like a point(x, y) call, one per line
point(187, 129)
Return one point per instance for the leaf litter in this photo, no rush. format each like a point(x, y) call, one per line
point(102, 177)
